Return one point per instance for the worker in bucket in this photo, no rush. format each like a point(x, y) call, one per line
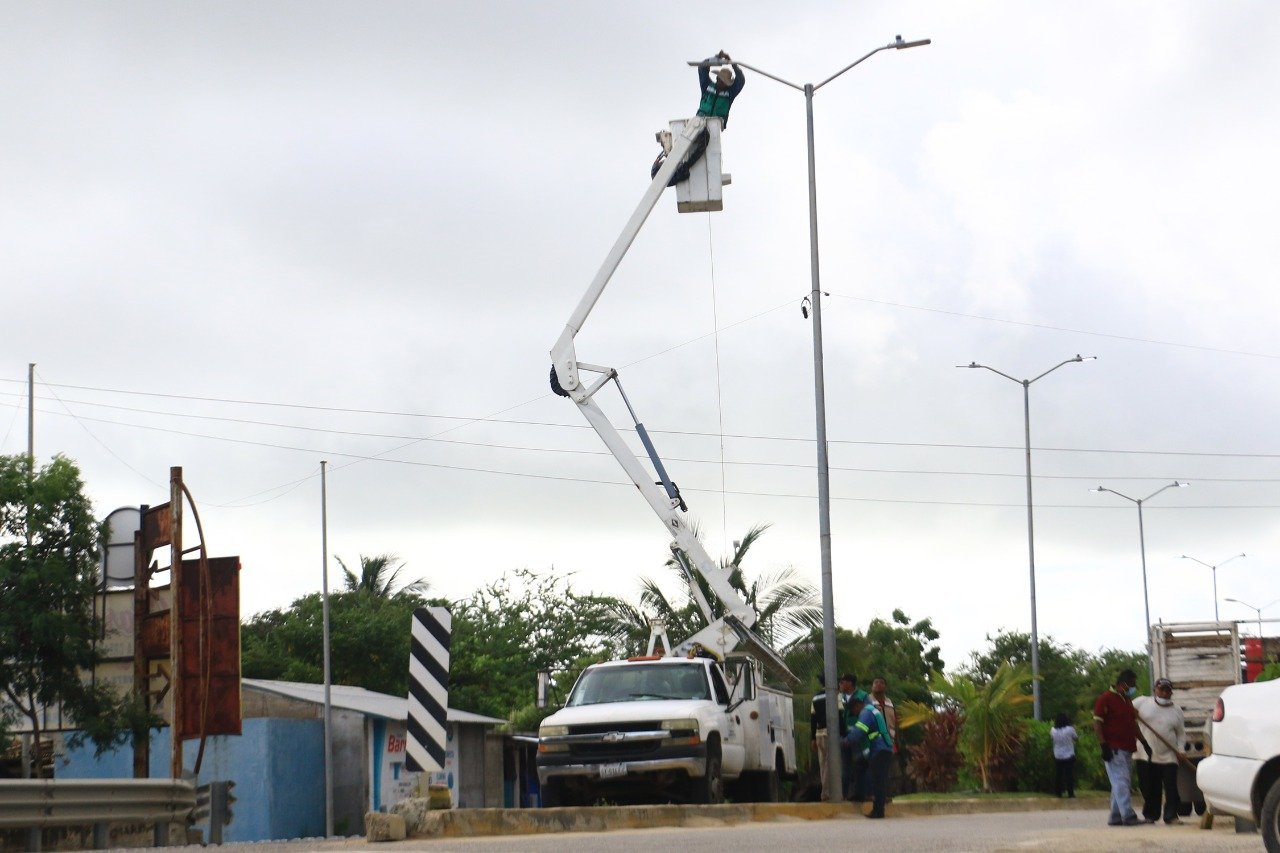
point(717, 98)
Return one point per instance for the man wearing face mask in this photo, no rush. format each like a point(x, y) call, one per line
point(1116, 725)
point(1161, 722)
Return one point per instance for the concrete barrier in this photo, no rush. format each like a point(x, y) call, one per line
point(469, 823)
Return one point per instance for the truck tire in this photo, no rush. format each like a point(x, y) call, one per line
point(768, 787)
point(709, 789)
point(1270, 819)
point(553, 793)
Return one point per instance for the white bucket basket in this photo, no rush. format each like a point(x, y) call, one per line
point(704, 190)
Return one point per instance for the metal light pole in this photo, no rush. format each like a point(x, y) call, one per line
point(1257, 610)
point(1215, 578)
point(1031, 527)
point(1142, 545)
point(328, 673)
point(820, 405)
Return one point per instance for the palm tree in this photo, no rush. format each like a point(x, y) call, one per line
point(378, 577)
point(786, 606)
point(992, 712)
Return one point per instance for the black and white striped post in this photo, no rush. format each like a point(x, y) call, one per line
point(428, 688)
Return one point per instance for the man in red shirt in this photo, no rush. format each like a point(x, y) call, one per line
point(1116, 725)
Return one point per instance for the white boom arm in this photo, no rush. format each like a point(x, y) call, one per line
point(721, 635)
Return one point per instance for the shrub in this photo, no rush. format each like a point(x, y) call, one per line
point(1035, 770)
point(936, 760)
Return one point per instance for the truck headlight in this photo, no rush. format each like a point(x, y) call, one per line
point(682, 732)
point(552, 731)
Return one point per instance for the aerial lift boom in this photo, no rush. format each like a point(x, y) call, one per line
point(724, 634)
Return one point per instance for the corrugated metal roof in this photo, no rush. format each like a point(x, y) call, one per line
point(358, 699)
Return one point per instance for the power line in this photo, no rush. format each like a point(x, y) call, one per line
point(685, 433)
point(601, 453)
point(356, 457)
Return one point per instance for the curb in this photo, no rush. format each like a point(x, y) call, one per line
point(472, 823)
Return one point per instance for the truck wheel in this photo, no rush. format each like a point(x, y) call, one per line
point(1270, 823)
point(768, 787)
point(710, 788)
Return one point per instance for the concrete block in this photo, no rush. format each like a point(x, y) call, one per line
point(414, 810)
point(380, 826)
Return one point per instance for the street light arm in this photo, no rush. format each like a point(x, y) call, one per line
point(1056, 366)
point(1201, 562)
point(1229, 559)
point(852, 64)
point(975, 364)
point(1114, 492)
point(759, 71)
point(1174, 485)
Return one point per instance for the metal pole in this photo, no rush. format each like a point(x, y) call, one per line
point(824, 476)
point(1215, 593)
point(1031, 557)
point(1146, 601)
point(176, 685)
point(31, 416)
point(328, 674)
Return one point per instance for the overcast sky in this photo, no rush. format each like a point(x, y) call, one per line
point(247, 237)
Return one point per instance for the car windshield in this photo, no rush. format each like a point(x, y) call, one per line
point(637, 683)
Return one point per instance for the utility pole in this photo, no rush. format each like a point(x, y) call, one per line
point(328, 672)
point(175, 621)
point(31, 418)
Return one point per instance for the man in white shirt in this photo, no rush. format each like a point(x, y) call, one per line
point(1162, 725)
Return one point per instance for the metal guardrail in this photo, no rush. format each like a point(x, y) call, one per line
point(34, 804)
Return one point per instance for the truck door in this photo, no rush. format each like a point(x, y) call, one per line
point(732, 752)
point(742, 686)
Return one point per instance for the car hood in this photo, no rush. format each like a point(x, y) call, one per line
point(622, 712)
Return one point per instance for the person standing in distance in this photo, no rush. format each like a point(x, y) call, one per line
point(1064, 739)
point(1116, 725)
point(1161, 722)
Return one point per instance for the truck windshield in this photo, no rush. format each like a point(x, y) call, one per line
point(637, 683)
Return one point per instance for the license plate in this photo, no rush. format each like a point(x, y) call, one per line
point(612, 771)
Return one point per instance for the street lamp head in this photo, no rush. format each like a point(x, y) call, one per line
point(1180, 485)
point(899, 44)
point(1098, 489)
point(970, 364)
point(1080, 357)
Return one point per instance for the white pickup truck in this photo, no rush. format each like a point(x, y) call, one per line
point(668, 729)
point(1242, 776)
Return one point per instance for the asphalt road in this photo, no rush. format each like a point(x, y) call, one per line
point(1069, 831)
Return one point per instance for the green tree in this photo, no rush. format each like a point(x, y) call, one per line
point(1062, 669)
point(369, 638)
point(785, 605)
point(1101, 669)
point(378, 576)
point(902, 652)
point(48, 565)
point(524, 622)
point(992, 714)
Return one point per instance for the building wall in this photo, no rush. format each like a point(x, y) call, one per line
point(277, 767)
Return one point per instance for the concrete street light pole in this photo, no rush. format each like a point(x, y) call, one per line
point(1142, 545)
point(1031, 527)
point(814, 309)
point(1215, 578)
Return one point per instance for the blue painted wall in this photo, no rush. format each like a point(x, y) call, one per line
point(277, 765)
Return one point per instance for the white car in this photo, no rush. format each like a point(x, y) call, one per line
point(1242, 776)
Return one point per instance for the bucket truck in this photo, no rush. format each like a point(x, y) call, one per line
point(683, 724)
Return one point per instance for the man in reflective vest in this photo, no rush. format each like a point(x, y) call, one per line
point(871, 735)
point(717, 98)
